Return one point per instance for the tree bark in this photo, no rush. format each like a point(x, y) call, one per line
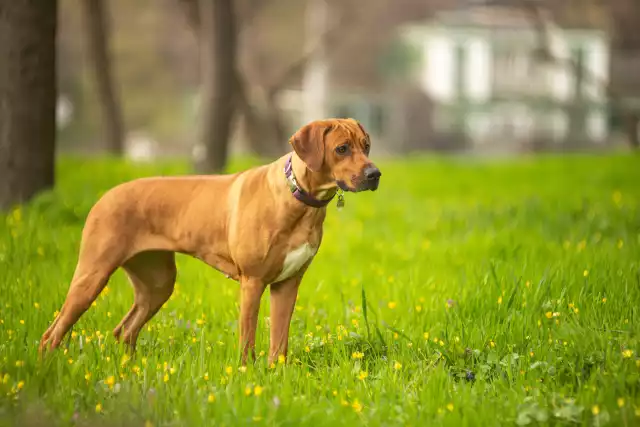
point(218, 50)
point(97, 29)
point(633, 130)
point(27, 99)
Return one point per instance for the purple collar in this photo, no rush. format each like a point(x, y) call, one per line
point(298, 192)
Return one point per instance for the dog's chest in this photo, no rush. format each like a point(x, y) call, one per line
point(295, 259)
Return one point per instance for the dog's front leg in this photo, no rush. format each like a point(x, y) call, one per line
point(251, 292)
point(283, 300)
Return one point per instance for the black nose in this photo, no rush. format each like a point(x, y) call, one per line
point(372, 173)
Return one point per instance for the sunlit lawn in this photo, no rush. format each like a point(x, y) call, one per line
point(496, 293)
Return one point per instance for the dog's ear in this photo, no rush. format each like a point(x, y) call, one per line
point(308, 143)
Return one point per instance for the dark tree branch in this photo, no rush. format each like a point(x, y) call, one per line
point(97, 29)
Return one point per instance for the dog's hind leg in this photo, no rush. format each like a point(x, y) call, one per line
point(88, 281)
point(153, 275)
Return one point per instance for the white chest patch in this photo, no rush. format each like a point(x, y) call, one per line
point(295, 260)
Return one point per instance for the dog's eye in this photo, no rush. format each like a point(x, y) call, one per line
point(367, 147)
point(342, 149)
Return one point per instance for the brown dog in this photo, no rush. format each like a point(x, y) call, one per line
point(261, 226)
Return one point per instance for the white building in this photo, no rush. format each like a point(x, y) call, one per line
point(479, 68)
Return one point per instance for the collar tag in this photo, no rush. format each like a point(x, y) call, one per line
point(340, 202)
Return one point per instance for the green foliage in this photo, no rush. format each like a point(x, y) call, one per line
point(461, 293)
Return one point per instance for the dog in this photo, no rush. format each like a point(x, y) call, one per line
point(260, 227)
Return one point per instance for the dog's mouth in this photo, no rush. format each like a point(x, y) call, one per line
point(360, 184)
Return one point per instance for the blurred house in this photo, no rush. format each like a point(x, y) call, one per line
point(481, 68)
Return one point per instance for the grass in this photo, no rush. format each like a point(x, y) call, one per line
point(463, 292)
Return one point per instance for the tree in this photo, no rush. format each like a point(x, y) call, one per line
point(625, 15)
point(97, 29)
point(27, 99)
point(218, 47)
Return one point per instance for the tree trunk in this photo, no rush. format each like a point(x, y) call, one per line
point(633, 130)
point(218, 50)
point(27, 99)
point(97, 29)
point(314, 81)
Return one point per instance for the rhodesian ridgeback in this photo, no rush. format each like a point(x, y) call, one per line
point(260, 227)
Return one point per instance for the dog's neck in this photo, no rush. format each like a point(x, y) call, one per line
point(317, 184)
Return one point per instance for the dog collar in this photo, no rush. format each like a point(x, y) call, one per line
point(298, 192)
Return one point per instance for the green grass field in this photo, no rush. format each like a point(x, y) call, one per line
point(463, 292)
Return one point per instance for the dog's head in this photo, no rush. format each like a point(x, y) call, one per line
point(338, 149)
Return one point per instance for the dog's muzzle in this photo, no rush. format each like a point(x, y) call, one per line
point(368, 180)
point(371, 178)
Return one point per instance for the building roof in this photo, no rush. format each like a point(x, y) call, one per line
point(484, 16)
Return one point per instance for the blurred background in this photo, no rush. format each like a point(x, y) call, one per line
point(205, 80)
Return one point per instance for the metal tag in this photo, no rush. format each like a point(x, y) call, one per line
point(340, 203)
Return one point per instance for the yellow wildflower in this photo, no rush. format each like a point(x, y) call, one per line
point(357, 355)
point(450, 406)
point(392, 304)
point(98, 408)
point(257, 390)
point(362, 375)
point(211, 398)
point(357, 407)
point(20, 385)
point(110, 381)
point(397, 366)
point(228, 370)
point(620, 402)
point(500, 300)
point(627, 353)
point(247, 391)
point(281, 359)
point(595, 409)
